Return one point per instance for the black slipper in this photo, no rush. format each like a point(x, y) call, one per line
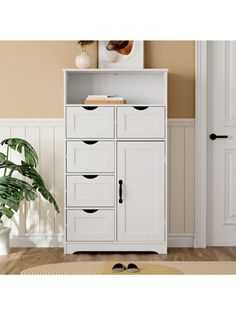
point(118, 267)
point(133, 268)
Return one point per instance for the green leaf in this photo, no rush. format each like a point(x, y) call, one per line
point(37, 182)
point(23, 147)
point(3, 157)
point(6, 211)
point(13, 191)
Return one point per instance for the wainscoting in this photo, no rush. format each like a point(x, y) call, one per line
point(181, 196)
point(37, 224)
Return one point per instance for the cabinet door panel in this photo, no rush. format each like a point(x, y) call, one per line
point(141, 168)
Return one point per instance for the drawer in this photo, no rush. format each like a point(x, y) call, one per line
point(90, 225)
point(93, 122)
point(90, 190)
point(90, 156)
point(149, 122)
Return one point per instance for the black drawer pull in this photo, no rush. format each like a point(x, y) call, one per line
point(90, 142)
point(90, 176)
point(140, 108)
point(213, 136)
point(90, 211)
point(89, 107)
point(120, 191)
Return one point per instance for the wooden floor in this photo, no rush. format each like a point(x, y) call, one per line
point(22, 258)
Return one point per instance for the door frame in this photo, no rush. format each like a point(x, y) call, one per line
point(200, 143)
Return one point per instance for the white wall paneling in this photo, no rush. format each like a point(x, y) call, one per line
point(181, 182)
point(37, 224)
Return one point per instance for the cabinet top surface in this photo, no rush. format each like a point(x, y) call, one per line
point(157, 71)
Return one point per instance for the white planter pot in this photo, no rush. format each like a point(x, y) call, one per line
point(83, 60)
point(5, 241)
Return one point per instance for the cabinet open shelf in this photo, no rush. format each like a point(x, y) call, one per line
point(147, 86)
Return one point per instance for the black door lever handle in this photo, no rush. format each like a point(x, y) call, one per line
point(213, 136)
point(120, 191)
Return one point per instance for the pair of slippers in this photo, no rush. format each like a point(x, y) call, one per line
point(120, 267)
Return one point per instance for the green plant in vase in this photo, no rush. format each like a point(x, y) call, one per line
point(13, 190)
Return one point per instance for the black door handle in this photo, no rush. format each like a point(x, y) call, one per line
point(120, 191)
point(213, 136)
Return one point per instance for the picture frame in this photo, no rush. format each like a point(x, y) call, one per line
point(127, 54)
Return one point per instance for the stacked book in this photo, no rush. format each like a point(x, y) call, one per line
point(104, 99)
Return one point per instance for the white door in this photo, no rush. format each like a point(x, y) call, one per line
point(141, 191)
point(221, 167)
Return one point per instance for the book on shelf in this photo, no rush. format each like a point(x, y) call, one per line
point(104, 99)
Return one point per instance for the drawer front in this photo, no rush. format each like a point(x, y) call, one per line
point(147, 123)
point(90, 191)
point(90, 225)
point(90, 156)
point(96, 123)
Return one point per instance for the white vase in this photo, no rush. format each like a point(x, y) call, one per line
point(83, 60)
point(4, 241)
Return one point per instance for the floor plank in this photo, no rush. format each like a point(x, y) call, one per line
point(22, 258)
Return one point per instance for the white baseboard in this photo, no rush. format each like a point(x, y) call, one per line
point(37, 241)
point(174, 240)
point(180, 240)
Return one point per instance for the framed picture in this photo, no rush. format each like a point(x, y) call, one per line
point(118, 54)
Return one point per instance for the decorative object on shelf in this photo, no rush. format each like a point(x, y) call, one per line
point(84, 60)
point(120, 54)
point(14, 190)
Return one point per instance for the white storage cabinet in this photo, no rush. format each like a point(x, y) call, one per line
point(115, 161)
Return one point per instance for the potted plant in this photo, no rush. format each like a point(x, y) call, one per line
point(13, 190)
point(84, 60)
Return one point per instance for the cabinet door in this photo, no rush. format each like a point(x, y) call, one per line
point(141, 191)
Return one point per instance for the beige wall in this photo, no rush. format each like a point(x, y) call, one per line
point(179, 58)
point(31, 77)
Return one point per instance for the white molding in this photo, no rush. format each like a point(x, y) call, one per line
point(201, 143)
point(31, 122)
point(37, 240)
point(60, 122)
point(180, 240)
point(172, 122)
